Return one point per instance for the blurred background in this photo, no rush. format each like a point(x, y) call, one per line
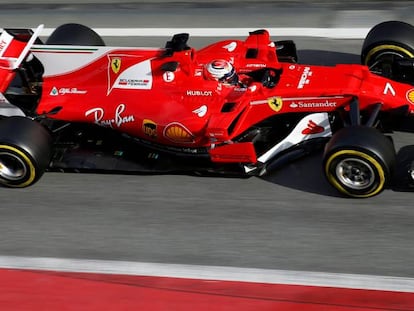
point(202, 13)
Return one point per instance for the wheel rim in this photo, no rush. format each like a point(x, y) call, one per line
point(387, 49)
point(355, 173)
point(12, 167)
point(383, 58)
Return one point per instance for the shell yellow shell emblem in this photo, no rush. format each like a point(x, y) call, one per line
point(177, 133)
point(116, 64)
point(410, 96)
point(275, 103)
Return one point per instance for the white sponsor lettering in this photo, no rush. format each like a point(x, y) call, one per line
point(66, 90)
point(255, 65)
point(199, 93)
point(304, 78)
point(323, 104)
point(240, 89)
point(136, 77)
point(133, 82)
point(118, 120)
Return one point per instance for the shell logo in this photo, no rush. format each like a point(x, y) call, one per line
point(178, 133)
point(410, 96)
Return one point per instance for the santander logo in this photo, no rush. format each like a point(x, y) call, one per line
point(312, 128)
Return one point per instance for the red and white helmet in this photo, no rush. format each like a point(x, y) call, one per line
point(222, 71)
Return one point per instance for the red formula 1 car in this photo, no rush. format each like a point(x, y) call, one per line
point(238, 107)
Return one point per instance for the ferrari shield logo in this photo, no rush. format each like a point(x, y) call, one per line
point(275, 103)
point(116, 64)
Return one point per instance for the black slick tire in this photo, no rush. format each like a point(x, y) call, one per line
point(359, 161)
point(75, 34)
point(388, 39)
point(25, 151)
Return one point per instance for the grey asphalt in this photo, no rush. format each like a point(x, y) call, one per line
point(290, 220)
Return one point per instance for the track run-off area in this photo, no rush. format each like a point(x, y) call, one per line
point(62, 284)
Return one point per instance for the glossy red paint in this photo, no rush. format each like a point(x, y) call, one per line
point(124, 88)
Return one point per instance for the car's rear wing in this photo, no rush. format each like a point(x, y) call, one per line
point(15, 45)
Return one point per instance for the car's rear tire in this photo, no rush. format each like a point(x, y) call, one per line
point(385, 43)
point(75, 34)
point(359, 161)
point(25, 151)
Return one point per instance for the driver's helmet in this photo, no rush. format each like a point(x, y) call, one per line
point(222, 71)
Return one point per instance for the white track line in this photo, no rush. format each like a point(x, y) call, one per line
point(337, 33)
point(339, 280)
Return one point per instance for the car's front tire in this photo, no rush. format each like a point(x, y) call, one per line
point(385, 44)
point(359, 161)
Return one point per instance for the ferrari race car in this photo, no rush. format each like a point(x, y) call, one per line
point(235, 107)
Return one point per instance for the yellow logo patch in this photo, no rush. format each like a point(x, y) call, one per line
point(177, 133)
point(116, 64)
point(275, 103)
point(410, 96)
point(149, 128)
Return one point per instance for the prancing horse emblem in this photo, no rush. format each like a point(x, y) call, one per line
point(275, 103)
point(116, 65)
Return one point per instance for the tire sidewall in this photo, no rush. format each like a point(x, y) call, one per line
point(74, 34)
point(392, 36)
point(380, 174)
point(367, 145)
point(32, 174)
point(24, 144)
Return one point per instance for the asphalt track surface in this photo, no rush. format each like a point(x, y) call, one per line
point(291, 220)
